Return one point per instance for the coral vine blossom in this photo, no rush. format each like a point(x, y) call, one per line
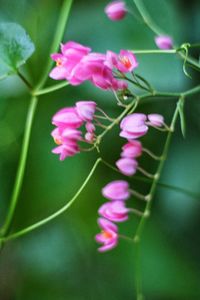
point(124, 62)
point(68, 122)
point(115, 211)
point(127, 166)
point(116, 190)
point(116, 10)
point(164, 42)
point(156, 120)
point(133, 126)
point(108, 236)
point(76, 63)
point(132, 149)
point(71, 55)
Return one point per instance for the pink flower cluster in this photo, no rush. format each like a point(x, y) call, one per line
point(113, 211)
point(76, 63)
point(117, 192)
point(132, 127)
point(68, 122)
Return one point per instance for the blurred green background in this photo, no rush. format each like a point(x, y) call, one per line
point(60, 260)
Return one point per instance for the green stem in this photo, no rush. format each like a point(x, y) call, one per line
point(190, 60)
point(197, 45)
point(148, 85)
point(30, 116)
point(154, 51)
point(146, 17)
point(63, 18)
point(132, 105)
point(51, 88)
point(157, 177)
point(160, 184)
point(21, 166)
point(137, 237)
point(157, 30)
point(138, 281)
point(145, 173)
point(57, 213)
point(192, 91)
point(25, 81)
point(137, 84)
point(151, 154)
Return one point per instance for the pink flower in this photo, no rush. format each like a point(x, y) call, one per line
point(77, 65)
point(108, 236)
point(72, 53)
point(86, 109)
point(132, 149)
point(90, 127)
point(67, 117)
point(155, 120)
point(164, 42)
point(116, 10)
point(127, 166)
point(124, 62)
point(116, 190)
point(114, 211)
point(92, 68)
point(67, 149)
point(89, 137)
point(60, 71)
point(57, 136)
point(133, 126)
point(71, 134)
point(65, 135)
point(75, 50)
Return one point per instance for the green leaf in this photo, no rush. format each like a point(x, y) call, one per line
point(15, 48)
point(182, 117)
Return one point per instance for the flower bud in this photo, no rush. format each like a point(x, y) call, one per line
point(116, 10)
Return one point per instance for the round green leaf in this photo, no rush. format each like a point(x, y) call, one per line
point(15, 48)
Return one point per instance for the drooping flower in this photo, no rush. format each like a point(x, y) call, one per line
point(67, 121)
point(89, 137)
point(124, 62)
point(115, 211)
point(57, 136)
point(116, 190)
point(64, 135)
point(67, 117)
point(67, 149)
point(131, 149)
point(108, 236)
point(90, 127)
point(156, 120)
point(133, 126)
point(164, 42)
point(86, 110)
point(127, 166)
point(116, 10)
point(71, 134)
